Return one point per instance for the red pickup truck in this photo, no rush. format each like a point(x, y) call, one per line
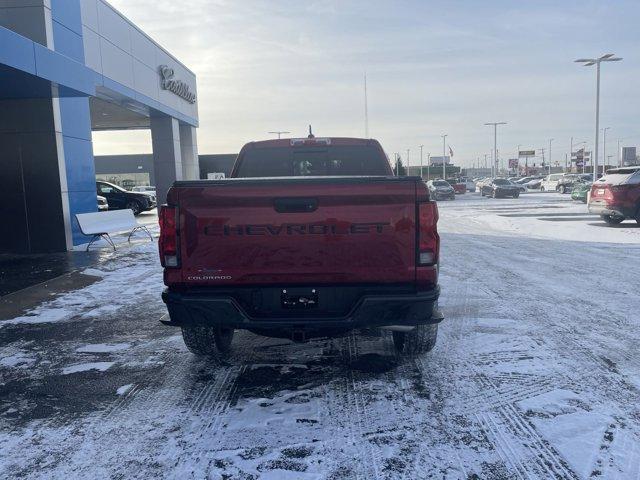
point(309, 237)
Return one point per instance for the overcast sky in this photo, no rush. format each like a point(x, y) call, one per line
point(432, 67)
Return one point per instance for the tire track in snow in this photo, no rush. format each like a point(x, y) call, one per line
point(369, 462)
point(208, 410)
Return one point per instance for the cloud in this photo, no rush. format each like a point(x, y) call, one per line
point(433, 67)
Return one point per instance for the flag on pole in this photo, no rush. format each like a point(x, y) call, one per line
point(450, 151)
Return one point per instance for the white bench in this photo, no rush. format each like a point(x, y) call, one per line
point(101, 224)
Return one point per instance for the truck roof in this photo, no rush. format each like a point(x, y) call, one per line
point(287, 142)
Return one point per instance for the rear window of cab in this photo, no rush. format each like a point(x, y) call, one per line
point(341, 160)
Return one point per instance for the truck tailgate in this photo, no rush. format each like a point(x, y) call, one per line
point(294, 231)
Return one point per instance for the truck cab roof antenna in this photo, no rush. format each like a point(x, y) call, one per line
point(311, 135)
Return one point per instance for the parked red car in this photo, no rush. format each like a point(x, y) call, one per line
point(308, 238)
point(458, 187)
point(616, 196)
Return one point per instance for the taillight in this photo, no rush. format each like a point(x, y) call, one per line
point(428, 244)
point(622, 188)
point(168, 242)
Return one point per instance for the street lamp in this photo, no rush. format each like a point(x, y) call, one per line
point(495, 144)
point(444, 154)
point(604, 147)
point(550, 140)
point(421, 147)
point(618, 153)
point(588, 62)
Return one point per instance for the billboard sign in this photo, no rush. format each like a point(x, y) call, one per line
point(628, 155)
point(580, 156)
point(527, 153)
point(513, 163)
point(435, 161)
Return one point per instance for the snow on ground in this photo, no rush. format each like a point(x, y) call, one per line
point(103, 348)
point(538, 215)
point(121, 281)
point(84, 367)
point(535, 374)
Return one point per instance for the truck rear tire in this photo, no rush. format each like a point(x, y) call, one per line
point(420, 340)
point(207, 341)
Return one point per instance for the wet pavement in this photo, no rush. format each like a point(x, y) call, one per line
point(22, 271)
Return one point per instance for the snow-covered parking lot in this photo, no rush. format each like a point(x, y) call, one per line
point(536, 373)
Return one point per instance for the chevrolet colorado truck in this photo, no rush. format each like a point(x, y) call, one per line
point(308, 238)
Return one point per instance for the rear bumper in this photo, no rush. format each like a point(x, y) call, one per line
point(369, 310)
point(507, 193)
point(444, 196)
point(602, 208)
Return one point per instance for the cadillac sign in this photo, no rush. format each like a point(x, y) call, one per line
point(178, 87)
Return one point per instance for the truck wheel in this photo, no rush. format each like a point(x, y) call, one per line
point(563, 189)
point(611, 220)
point(516, 195)
point(206, 340)
point(421, 339)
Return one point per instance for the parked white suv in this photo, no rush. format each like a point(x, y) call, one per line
point(550, 182)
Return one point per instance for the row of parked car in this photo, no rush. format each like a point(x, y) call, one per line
point(448, 189)
point(615, 196)
point(557, 182)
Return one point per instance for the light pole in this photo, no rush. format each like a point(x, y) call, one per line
point(604, 147)
point(550, 140)
point(588, 62)
point(428, 166)
point(278, 132)
point(619, 156)
point(566, 166)
point(444, 154)
point(495, 144)
point(421, 146)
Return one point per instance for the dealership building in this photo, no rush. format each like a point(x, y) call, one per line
point(67, 68)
